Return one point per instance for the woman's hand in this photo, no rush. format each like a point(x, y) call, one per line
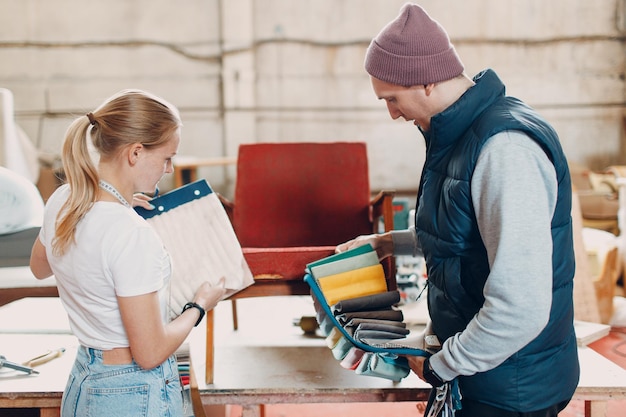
point(142, 200)
point(151, 341)
point(382, 244)
point(208, 296)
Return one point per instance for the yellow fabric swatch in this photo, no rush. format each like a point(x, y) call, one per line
point(351, 284)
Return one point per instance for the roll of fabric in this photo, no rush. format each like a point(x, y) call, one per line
point(342, 348)
point(352, 359)
point(390, 314)
point(376, 365)
point(400, 330)
point(355, 322)
point(367, 303)
point(363, 335)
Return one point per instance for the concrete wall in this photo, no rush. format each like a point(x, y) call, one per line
point(287, 70)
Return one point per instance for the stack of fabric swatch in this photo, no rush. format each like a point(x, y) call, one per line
point(183, 360)
point(356, 312)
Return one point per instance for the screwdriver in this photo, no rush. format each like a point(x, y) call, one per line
point(45, 358)
point(5, 363)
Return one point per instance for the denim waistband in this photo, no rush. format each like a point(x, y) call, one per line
point(96, 355)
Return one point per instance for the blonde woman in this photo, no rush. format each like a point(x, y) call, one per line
point(111, 268)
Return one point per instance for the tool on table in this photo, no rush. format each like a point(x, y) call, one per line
point(45, 358)
point(4, 363)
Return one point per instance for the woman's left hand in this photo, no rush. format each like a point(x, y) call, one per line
point(142, 200)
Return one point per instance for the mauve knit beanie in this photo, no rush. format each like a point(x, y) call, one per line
point(412, 50)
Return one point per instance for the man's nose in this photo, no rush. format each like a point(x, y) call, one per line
point(393, 111)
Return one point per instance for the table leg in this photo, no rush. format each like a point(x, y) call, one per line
point(233, 304)
point(196, 401)
point(50, 412)
point(595, 408)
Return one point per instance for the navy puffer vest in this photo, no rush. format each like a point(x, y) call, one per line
point(545, 371)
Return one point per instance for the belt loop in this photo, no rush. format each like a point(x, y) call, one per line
point(91, 354)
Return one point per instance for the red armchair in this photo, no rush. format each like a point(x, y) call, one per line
point(295, 202)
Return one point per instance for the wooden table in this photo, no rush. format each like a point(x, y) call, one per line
point(186, 167)
point(253, 381)
point(258, 375)
point(30, 327)
point(252, 368)
point(42, 391)
point(255, 376)
point(600, 381)
point(19, 282)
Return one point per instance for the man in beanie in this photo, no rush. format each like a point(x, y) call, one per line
point(492, 222)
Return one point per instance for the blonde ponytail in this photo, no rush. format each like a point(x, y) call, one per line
point(82, 178)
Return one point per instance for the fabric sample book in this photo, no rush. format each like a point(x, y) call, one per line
point(202, 244)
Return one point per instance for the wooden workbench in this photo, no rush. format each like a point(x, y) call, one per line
point(270, 361)
point(19, 282)
point(253, 366)
point(257, 375)
point(42, 391)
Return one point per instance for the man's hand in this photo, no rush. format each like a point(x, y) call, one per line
point(416, 363)
point(382, 244)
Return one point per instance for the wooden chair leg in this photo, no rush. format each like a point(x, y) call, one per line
point(233, 304)
point(210, 347)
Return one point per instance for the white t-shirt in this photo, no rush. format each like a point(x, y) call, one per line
point(116, 253)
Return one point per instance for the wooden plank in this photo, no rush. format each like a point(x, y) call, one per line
point(600, 378)
point(587, 332)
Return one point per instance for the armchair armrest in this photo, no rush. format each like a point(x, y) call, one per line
point(382, 206)
point(229, 206)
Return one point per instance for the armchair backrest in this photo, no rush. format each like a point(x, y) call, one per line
point(301, 194)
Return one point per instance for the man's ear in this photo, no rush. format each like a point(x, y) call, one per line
point(428, 88)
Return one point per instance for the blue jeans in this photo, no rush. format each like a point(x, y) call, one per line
point(94, 389)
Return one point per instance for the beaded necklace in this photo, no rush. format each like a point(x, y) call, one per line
point(111, 190)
